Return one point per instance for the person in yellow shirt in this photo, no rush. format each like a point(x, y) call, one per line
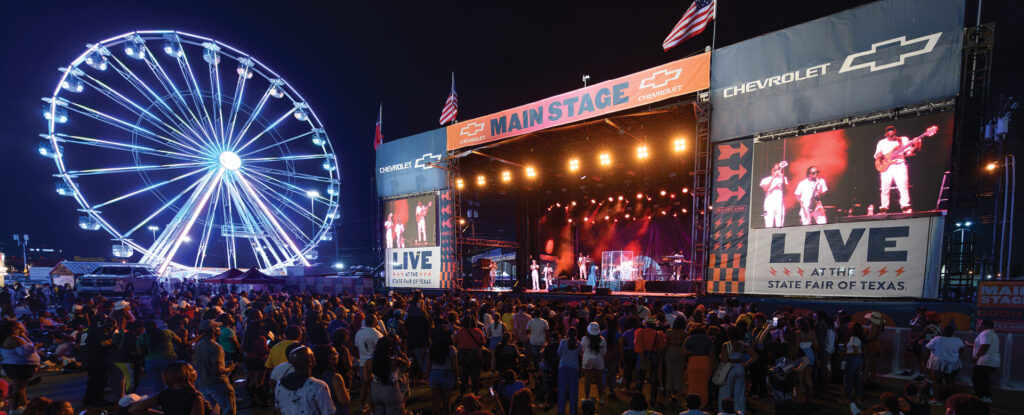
point(292, 334)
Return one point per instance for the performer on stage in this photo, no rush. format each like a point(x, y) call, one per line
point(809, 192)
point(421, 221)
point(774, 209)
point(535, 274)
point(399, 233)
point(582, 263)
point(890, 161)
point(493, 273)
point(389, 226)
point(548, 272)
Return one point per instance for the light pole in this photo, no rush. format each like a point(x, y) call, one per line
point(313, 194)
point(153, 229)
point(23, 241)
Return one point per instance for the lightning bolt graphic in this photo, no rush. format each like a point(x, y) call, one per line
point(800, 271)
point(865, 272)
point(718, 223)
point(899, 271)
point(739, 244)
point(785, 271)
point(772, 271)
point(739, 222)
point(728, 222)
point(882, 271)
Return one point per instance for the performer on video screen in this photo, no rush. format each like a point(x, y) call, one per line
point(582, 262)
point(891, 163)
point(421, 221)
point(535, 274)
point(399, 233)
point(774, 209)
point(809, 192)
point(389, 226)
point(548, 273)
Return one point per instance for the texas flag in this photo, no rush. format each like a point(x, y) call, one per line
point(378, 138)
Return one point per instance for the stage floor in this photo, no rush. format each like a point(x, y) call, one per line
point(587, 294)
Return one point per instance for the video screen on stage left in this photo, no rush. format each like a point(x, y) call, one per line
point(868, 172)
point(410, 222)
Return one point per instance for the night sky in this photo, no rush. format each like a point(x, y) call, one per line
point(346, 59)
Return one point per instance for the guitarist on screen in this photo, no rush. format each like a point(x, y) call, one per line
point(890, 161)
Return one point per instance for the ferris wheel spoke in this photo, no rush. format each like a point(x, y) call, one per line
point(295, 229)
point(276, 144)
point(163, 207)
point(253, 226)
point(114, 145)
point(111, 170)
point(172, 90)
point(237, 139)
point(147, 188)
point(277, 226)
point(286, 186)
point(280, 239)
point(265, 130)
point(204, 240)
point(195, 91)
point(136, 109)
point(301, 210)
point(171, 232)
point(236, 104)
point(297, 175)
point(193, 212)
point(131, 128)
point(286, 158)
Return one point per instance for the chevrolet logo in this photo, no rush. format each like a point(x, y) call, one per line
point(889, 49)
point(471, 129)
point(423, 162)
point(663, 77)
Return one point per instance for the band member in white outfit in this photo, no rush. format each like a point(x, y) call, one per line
point(891, 163)
point(773, 186)
point(389, 226)
point(582, 263)
point(421, 221)
point(535, 274)
point(399, 232)
point(548, 272)
point(493, 275)
point(809, 192)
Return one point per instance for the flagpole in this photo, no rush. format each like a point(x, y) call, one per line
point(714, 29)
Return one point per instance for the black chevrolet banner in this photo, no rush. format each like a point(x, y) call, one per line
point(875, 57)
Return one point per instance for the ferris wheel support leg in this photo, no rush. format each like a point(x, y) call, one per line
point(269, 216)
point(191, 221)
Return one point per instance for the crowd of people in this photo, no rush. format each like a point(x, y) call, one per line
point(182, 350)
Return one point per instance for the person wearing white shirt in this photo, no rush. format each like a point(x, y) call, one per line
point(986, 360)
point(945, 362)
point(366, 339)
point(774, 208)
point(809, 192)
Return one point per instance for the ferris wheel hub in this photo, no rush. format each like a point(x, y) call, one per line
point(229, 160)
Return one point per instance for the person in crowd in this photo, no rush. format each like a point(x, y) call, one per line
point(638, 406)
point(985, 352)
point(278, 354)
point(471, 406)
point(693, 405)
point(522, 403)
point(382, 371)
point(299, 392)
point(99, 344)
point(945, 363)
point(734, 352)
point(675, 363)
point(256, 351)
point(418, 326)
point(613, 356)
point(806, 345)
point(699, 351)
point(854, 349)
point(325, 368)
point(964, 404)
point(538, 329)
point(126, 358)
point(157, 345)
point(506, 355)
point(180, 397)
point(469, 341)
point(872, 345)
point(213, 375)
point(443, 369)
point(594, 349)
point(20, 360)
point(569, 373)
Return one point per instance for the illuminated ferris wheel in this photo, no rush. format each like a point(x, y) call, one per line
point(191, 153)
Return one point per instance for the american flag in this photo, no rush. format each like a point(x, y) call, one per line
point(693, 22)
point(378, 137)
point(451, 106)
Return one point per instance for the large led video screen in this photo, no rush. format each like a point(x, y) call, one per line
point(410, 222)
point(866, 172)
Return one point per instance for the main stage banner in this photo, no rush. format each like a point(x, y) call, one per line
point(414, 267)
point(652, 85)
point(403, 165)
point(884, 258)
point(874, 57)
point(1003, 303)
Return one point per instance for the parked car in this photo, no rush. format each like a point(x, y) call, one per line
point(117, 279)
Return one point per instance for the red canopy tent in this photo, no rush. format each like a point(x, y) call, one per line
point(222, 277)
point(254, 277)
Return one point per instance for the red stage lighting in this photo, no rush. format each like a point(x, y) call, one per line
point(559, 204)
point(620, 197)
point(586, 219)
point(684, 210)
point(686, 190)
point(639, 196)
point(606, 217)
point(574, 203)
point(627, 216)
point(664, 212)
point(570, 220)
point(663, 193)
point(673, 195)
point(574, 164)
point(592, 201)
point(530, 172)
point(459, 183)
point(610, 199)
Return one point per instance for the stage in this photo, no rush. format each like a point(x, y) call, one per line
point(561, 287)
point(578, 295)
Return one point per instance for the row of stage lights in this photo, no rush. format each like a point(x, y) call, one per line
point(573, 165)
point(663, 211)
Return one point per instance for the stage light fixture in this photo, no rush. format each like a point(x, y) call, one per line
point(462, 221)
point(506, 176)
point(672, 196)
point(611, 199)
point(606, 217)
point(664, 212)
point(684, 210)
point(663, 193)
point(481, 180)
point(570, 220)
point(620, 198)
point(641, 152)
point(679, 145)
point(592, 201)
point(574, 164)
point(558, 204)
point(627, 216)
point(639, 196)
point(605, 159)
point(574, 203)
point(991, 166)
point(459, 183)
point(531, 172)
point(686, 190)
